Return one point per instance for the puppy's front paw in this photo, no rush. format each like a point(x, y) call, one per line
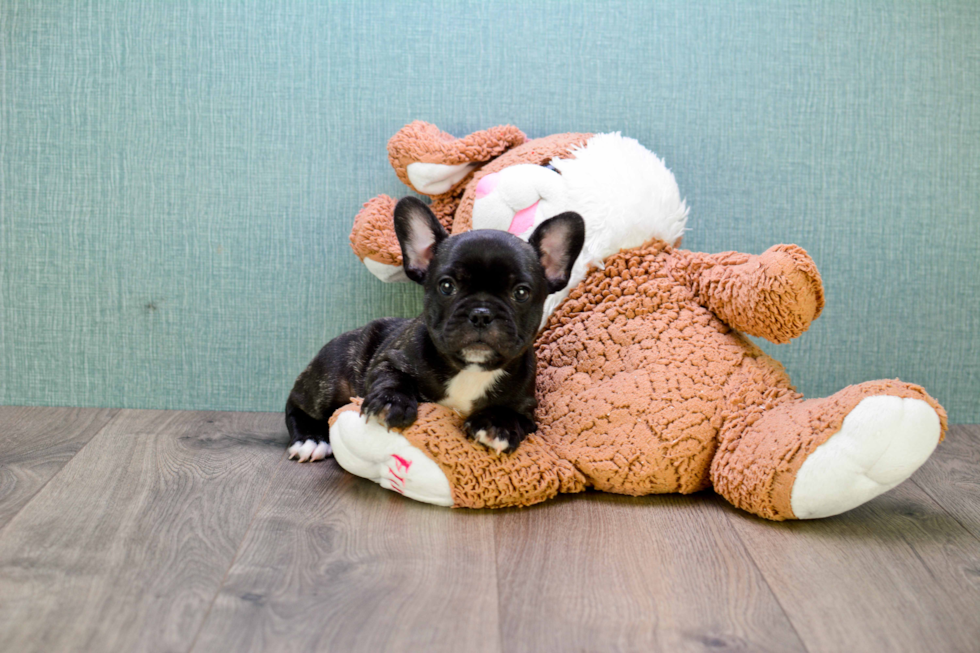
point(499, 429)
point(309, 450)
point(396, 409)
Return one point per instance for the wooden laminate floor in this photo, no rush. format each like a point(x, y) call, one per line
point(125, 530)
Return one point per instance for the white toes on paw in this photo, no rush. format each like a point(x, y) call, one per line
point(296, 449)
point(309, 451)
point(497, 445)
point(880, 444)
point(322, 451)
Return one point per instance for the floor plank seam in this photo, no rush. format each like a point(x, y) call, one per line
point(238, 551)
point(775, 597)
point(117, 412)
point(496, 583)
point(944, 509)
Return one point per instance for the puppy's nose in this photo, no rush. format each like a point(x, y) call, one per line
point(481, 317)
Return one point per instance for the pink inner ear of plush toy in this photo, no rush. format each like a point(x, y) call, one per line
point(523, 220)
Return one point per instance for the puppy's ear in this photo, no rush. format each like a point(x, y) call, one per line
point(419, 232)
point(558, 242)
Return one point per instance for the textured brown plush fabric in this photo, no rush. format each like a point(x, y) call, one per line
point(373, 233)
point(773, 296)
point(767, 438)
point(421, 142)
point(645, 383)
point(640, 383)
point(644, 390)
point(530, 475)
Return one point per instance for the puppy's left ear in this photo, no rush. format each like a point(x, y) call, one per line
point(558, 242)
point(419, 233)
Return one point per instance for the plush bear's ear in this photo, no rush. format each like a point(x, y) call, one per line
point(558, 242)
point(419, 233)
point(433, 162)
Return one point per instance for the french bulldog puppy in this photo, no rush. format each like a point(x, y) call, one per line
point(470, 350)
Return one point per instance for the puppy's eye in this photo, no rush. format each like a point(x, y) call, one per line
point(447, 287)
point(550, 167)
point(522, 294)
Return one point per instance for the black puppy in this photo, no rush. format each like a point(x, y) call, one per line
point(470, 349)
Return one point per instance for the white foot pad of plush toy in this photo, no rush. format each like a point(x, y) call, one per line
point(882, 441)
point(368, 449)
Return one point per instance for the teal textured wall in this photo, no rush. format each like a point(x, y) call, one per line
point(179, 179)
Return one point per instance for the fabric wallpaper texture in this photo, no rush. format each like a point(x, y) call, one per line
point(178, 180)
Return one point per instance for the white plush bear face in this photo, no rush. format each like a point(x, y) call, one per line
point(519, 198)
point(624, 192)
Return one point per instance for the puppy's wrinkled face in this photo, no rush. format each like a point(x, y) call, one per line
point(484, 295)
point(485, 289)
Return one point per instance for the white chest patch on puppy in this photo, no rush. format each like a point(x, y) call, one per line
point(469, 385)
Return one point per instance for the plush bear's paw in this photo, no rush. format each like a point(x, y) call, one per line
point(386, 272)
point(499, 429)
point(882, 441)
point(309, 450)
point(364, 447)
point(398, 410)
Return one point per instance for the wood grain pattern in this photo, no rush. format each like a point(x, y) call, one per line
point(334, 562)
point(126, 546)
point(897, 574)
point(604, 572)
point(952, 476)
point(37, 442)
point(189, 531)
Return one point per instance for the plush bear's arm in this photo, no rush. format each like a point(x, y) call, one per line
point(775, 295)
point(373, 235)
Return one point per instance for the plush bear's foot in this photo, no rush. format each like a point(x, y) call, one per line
point(882, 441)
point(385, 272)
point(368, 449)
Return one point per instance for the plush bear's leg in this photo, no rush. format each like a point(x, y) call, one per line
point(882, 441)
point(433, 461)
point(784, 458)
point(368, 449)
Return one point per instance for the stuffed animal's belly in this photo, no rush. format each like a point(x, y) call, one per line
point(635, 398)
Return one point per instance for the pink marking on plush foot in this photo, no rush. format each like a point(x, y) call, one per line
point(401, 463)
point(396, 475)
point(487, 184)
point(523, 220)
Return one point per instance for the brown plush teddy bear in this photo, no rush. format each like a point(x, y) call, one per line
point(646, 384)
